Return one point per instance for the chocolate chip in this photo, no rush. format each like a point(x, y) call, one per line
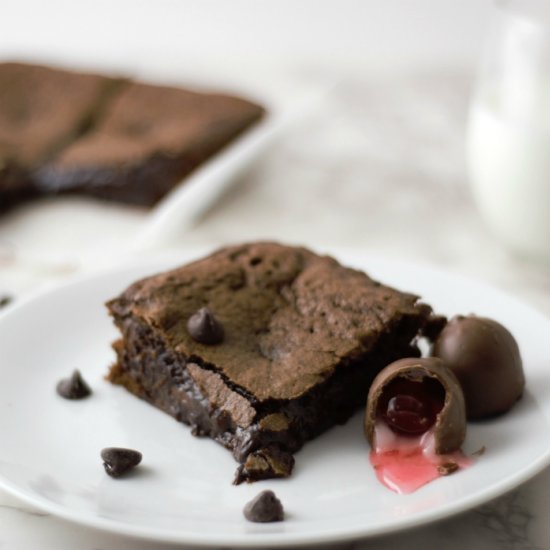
point(74, 387)
point(264, 508)
point(5, 300)
point(117, 460)
point(204, 328)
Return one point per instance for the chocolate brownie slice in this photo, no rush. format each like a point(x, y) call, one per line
point(41, 111)
point(148, 140)
point(303, 339)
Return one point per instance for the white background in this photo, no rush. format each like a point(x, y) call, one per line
point(349, 33)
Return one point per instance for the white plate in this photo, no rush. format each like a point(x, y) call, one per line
point(183, 493)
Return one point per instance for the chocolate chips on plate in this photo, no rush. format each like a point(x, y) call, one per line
point(264, 508)
point(74, 387)
point(5, 300)
point(118, 460)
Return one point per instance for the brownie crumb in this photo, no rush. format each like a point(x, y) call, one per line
point(447, 468)
point(74, 387)
point(264, 508)
point(117, 460)
point(266, 463)
point(204, 328)
point(480, 451)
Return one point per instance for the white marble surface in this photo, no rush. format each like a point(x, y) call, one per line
point(379, 166)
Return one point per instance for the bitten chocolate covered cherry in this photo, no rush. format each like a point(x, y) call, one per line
point(415, 395)
point(415, 422)
point(485, 358)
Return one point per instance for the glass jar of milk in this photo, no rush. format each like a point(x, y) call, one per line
point(508, 141)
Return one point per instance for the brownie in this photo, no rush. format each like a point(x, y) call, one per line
point(303, 339)
point(41, 111)
point(148, 140)
point(65, 132)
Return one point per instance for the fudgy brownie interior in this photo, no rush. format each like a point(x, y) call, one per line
point(304, 338)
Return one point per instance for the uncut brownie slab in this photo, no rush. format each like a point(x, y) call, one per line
point(304, 338)
point(148, 139)
point(41, 111)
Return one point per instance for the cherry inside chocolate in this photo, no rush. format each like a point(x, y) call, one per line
point(410, 407)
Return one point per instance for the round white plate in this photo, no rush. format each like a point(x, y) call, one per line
point(182, 493)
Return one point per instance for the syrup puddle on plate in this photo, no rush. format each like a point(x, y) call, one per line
point(406, 463)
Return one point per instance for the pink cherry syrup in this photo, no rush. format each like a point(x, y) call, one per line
point(406, 463)
point(404, 456)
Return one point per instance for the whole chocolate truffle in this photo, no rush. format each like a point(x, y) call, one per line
point(432, 388)
point(485, 358)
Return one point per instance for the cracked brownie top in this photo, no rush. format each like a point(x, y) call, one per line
point(291, 317)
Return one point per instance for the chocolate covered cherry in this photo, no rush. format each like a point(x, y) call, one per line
point(415, 395)
point(485, 358)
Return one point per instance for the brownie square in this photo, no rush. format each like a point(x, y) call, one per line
point(147, 141)
point(41, 110)
point(304, 338)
